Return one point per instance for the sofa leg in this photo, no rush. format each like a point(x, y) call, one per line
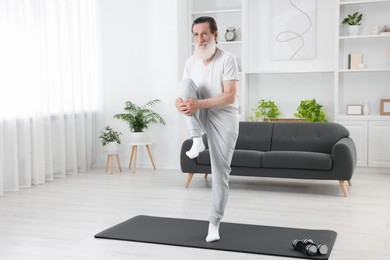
point(343, 187)
point(205, 175)
point(189, 178)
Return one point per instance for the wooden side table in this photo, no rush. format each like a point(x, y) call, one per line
point(133, 156)
point(109, 163)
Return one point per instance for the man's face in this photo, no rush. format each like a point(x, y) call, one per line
point(203, 35)
point(205, 45)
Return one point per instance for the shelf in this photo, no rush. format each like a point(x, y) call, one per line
point(364, 36)
point(364, 2)
point(290, 71)
point(229, 43)
point(217, 11)
point(363, 70)
point(363, 118)
point(226, 43)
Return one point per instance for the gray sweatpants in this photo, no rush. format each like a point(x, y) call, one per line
point(221, 127)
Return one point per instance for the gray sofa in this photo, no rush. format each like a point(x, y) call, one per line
point(322, 151)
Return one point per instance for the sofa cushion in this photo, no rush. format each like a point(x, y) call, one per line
point(310, 137)
point(203, 158)
point(297, 160)
point(246, 158)
point(254, 136)
point(241, 158)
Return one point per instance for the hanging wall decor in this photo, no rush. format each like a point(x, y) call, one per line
point(293, 29)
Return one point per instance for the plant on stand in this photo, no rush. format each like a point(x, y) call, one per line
point(110, 137)
point(265, 109)
point(139, 118)
point(354, 22)
point(311, 110)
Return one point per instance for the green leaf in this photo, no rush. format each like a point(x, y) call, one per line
point(353, 19)
point(311, 110)
point(109, 135)
point(139, 118)
point(265, 108)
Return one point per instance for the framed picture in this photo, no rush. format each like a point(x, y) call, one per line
point(385, 107)
point(354, 109)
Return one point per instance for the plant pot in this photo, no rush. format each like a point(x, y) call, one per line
point(138, 137)
point(353, 29)
point(112, 147)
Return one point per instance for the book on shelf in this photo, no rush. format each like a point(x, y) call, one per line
point(354, 60)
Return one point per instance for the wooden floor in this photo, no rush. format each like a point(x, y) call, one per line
point(59, 219)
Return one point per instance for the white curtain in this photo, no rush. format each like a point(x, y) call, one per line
point(49, 82)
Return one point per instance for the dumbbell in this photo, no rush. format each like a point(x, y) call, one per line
point(306, 245)
point(309, 247)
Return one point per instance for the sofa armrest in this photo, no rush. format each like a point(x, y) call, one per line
point(344, 158)
point(187, 165)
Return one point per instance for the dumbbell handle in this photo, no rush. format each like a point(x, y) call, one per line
point(301, 244)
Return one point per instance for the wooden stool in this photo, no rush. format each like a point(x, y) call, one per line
point(133, 156)
point(110, 162)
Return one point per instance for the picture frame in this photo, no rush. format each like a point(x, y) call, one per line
point(385, 107)
point(353, 109)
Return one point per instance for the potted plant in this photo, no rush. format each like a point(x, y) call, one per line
point(139, 118)
point(265, 109)
point(110, 138)
point(311, 110)
point(354, 22)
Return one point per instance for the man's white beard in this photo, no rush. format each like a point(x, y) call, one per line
point(208, 52)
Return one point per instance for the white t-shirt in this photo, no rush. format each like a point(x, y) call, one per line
point(209, 78)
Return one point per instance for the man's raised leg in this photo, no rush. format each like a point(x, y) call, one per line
point(188, 90)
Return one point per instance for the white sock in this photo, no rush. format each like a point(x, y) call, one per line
point(213, 234)
point(197, 147)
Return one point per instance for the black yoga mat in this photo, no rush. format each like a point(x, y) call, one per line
point(244, 238)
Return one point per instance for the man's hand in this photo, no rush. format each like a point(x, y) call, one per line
point(188, 106)
point(179, 103)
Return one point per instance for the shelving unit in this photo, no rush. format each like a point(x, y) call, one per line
point(375, 50)
point(370, 132)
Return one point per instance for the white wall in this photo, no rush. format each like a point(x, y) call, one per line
point(140, 63)
point(287, 90)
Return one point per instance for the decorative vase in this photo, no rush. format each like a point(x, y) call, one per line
point(374, 30)
point(353, 29)
point(366, 108)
